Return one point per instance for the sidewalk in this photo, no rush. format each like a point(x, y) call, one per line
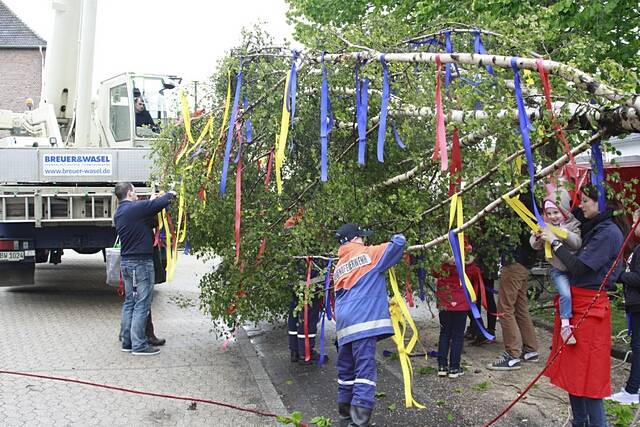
point(470, 400)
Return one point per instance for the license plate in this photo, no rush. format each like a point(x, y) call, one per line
point(11, 256)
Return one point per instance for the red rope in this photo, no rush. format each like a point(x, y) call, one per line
point(554, 357)
point(144, 393)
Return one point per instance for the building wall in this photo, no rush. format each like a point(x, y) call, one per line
point(20, 78)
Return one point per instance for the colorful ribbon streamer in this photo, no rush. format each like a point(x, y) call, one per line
point(362, 101)
point(324, 123)
point(225, 117)
point(400, 316)
point(281, 139)
point(238, 213)
point(525, 214)
point(384, 107)
point(478, 47)
point(597, 178)
point(232, 121)
point(448, 48)
point(440, 149)
point(247, 120)
point(408, 291)
point(396, 135)
point(307, 343)
point(455, 179)
point(326, 310)
point(525, 126)
point(293, 79)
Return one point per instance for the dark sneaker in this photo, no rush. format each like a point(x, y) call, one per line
point(442, 371)
point(125, 349)
point(149, 351)
point(505, 362)
point(315, 356)
point(455, 372)
point(156, 342)
point(529, 356)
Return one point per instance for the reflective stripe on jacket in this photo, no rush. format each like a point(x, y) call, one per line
point(362, 304)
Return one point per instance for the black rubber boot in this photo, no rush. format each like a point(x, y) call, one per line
point(344, 411)
point(360, 416)
point(294, 356)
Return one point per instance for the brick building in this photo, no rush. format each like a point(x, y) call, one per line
point(21, 62)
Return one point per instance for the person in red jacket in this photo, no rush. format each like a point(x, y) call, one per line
point(453, 308)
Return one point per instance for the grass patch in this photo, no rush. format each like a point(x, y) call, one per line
point(483, 386)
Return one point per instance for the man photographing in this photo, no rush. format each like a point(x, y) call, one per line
point(134, 220)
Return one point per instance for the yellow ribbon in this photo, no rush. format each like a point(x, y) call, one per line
point(529, 218)
point(400, 316)
point(225, 118)
point(167, 233)
point(455, 212)
point(281, 141)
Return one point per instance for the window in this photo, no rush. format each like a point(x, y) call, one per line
point(119, 113)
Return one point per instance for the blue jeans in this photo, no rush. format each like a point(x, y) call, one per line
point(138, 276)
point(633, 383)
point(357, 373)
point(561, 281)
point(452, 325)
point(587, 410)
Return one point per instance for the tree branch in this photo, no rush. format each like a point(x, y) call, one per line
point(497, 202)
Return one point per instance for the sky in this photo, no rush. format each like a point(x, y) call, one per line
point(184, 38)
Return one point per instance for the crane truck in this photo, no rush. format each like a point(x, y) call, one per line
point(59, 162)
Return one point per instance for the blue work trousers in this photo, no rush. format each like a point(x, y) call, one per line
point(357, 373)
point(296, 325)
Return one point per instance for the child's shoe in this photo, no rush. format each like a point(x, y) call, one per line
point(455, 372)
point(565, 333)
point(442, 371)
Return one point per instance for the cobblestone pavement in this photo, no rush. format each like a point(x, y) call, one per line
point(67, 326)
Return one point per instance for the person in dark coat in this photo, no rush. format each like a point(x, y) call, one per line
point(584, 369)
point(143, 117)
point(630, 278)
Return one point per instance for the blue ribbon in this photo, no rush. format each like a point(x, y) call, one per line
point(448, 47)
point(397, 136)
point(232, 122)
point(291, 91)
point(597, 178)
point(325, 122)
point(187, 248)
point(524, 126)
point(362, 101)
point(478, 47)
point(422, 278)
point(629, 325)
point(453, 240)
point(326, 312)
point(247, 122)
point(382, 125)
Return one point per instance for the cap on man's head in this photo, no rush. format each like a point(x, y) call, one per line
point(347, 232)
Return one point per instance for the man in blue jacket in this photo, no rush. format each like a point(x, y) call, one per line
point(362, 317)
point(134, 220)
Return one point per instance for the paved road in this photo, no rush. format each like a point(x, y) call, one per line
point(67, 326)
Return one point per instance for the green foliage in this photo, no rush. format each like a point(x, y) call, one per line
point(620, 415)
point(295, 419)
point(392, 407)
point(380, 394)
point(321, 421)
point(237, 292)
point(426, 370)
point(483, 386)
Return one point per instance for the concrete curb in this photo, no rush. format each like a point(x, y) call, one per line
point(267, 390)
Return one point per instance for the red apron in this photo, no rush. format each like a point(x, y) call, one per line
point(584, 369)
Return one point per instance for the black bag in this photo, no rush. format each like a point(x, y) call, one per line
point(160, 264)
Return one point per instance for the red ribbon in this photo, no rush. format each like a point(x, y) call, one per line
point(307, 344)
point(456, 164)
point(440, 149)
point(407, 282)
point(267, 179)
point(570, 169)
point(238, 206)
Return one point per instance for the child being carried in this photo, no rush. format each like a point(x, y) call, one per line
point(557, 211)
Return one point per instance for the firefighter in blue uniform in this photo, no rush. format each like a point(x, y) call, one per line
point(362, 318)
